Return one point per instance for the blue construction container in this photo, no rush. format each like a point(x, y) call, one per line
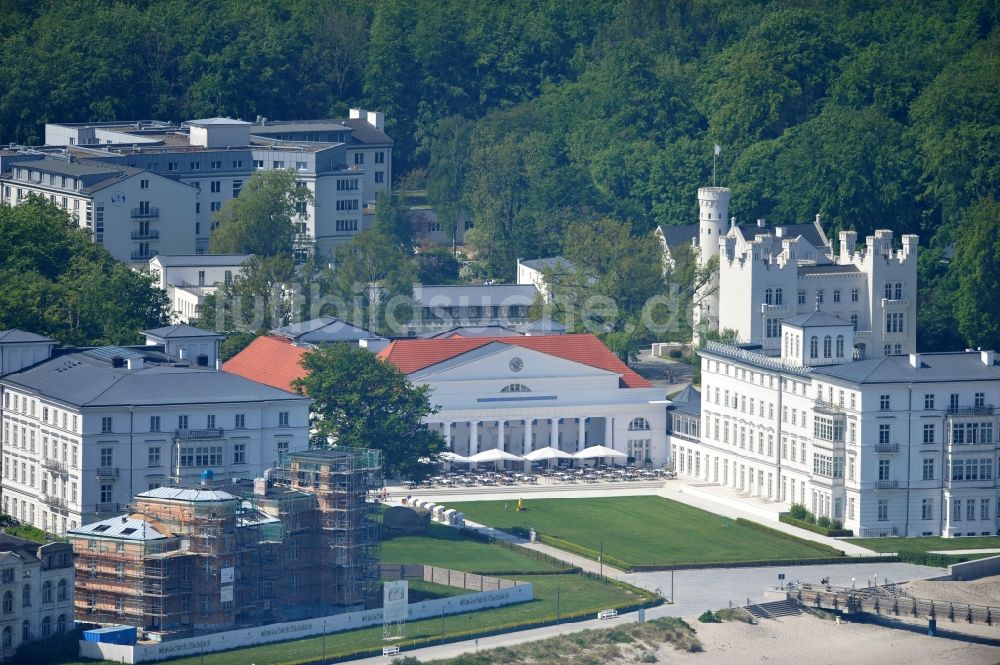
point(112, 635)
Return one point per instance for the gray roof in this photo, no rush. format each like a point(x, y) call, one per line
point(365, 133)
point(325, 329)
point(815, 318)
point(934, 367)
point(124, 527)
point(687, 401)
point(300, 126)
point(179, 260)
point(681, 234)
point(15, 336)
point(179, 331)
point(83, 380)
point(828, 269)
point(811, 231)
point(471, 331)
point(185, 494)
point(544, 324)
point(475, 295)
point(548, 263)
point(216, 121)
point(75, 169)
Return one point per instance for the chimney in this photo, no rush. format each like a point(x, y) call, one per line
point(986, 357)
point(259, 486)
point(761, 223)
point(915, 360)
point(357, 114)
point(134, 363)
point(376, 119)
point(779, 232)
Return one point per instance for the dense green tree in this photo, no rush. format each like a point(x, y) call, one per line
point(976, 270)
point(262, 219)
point(371, 271)
point(57, 282)
point(448, 170)
point(361, 401)
point(393, 222)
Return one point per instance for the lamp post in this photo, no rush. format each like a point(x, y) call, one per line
point(324, 643)
point(601, 558)
point(557, 605)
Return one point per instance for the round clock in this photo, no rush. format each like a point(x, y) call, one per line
point(516, 364)
point(118, 199)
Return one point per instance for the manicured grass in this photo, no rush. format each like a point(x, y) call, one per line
point(643, 530)
point(444, 547)
point(927, 544)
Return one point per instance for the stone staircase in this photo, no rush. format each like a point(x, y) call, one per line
point(774, 609)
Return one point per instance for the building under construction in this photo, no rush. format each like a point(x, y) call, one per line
point(223, 555)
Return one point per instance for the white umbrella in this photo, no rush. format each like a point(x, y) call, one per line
point(599, 451)
point(453, 457)
point(495, 455)
point(548, 452)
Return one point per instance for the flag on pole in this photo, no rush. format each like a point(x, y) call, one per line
point(717, 149)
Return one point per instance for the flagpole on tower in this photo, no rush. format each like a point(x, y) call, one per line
point(715, 157)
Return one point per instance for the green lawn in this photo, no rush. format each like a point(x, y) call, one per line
point(643, 530)
point(926, 544)
point(443, 547)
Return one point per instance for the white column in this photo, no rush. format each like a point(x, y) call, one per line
point(554, 432)
point(501, 426)
point(473, 437)
point(581, 433)
point(609, 426)
point(447, 435)
point(528, 422)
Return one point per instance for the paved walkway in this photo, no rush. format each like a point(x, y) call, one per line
point(993, 550)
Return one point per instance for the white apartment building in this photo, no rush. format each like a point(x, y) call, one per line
point(895, 445)
point(344, 163)
point(36, 591)
point(84, 430)
point(768, 273)
point(132, 213)
point(189, 278)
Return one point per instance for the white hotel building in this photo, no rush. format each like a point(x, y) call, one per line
point(899, 445)
point(84, 430)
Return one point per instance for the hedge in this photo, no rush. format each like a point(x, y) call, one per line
point(815, 528)
point(781, 534)
point(928, 559)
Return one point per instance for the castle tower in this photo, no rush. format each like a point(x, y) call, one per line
point(713, 211)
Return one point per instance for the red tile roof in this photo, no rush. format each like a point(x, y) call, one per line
point(410, 355)
point(273, 361)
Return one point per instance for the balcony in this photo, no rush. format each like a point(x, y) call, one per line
point(145, 213)
point(210, 433)
point(55, 466)
point(107, 473)
point(146, 235)
point(981, 410)
point(55, 501)
point(107, 507)
point(886, 484)
point(144, 255)
point(886, 447)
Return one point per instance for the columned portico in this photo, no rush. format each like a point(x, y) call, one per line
point(528, 424)
point(581, 434)
point(473, 437)
point(501, 442)
point(554, 432)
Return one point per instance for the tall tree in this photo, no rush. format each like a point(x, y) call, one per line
point(370, 271)
point(447, 172)
point(977, 268)
point(363, 402)
point(262, 219)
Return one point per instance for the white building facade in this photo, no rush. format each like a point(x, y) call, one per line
point(189, 278)
point(524, 393)
point(83, 431)
point(899, 445)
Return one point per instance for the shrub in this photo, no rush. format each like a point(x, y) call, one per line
point(648, 657)
point(676, 354)
point(735, 614)
point(837, 525)
point(402, 520)
point(798, 511)
point(61, 648)
point(830, 530)
point(823, 521)
point(708, 616)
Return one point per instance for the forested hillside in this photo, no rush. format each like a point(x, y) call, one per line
point(530, 115)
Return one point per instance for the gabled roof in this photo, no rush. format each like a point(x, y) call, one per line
point(124, 527)
point(15, 336)
point(411, 355)
point(182, 260)
point(815, 318)
point(681, 234)
point(273, 361)
point(470, 331)
point(812, 232)
point(185, 494)
point(204, 122)
point(544, 324)
point(687, 400)
point(179, 331)
point(325, 329)
point(548, 263)
point(934, 367)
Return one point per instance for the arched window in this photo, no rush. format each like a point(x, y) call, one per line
point(46, 626)
point(899, 291)
point(840, 346)
point(61, 624)
point(814, 347)
point(25, 630)
point(888, 291)
point(638, 424)
point(516, 388)
point(8, 602)
point(778, 299)
point(47, 591)
point(61, 590)
point(827, 346)
point(768, 297)
point(8, 637)
point(26, 596)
